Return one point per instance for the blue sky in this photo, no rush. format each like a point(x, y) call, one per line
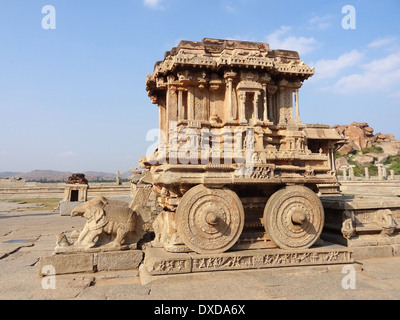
point(73, 98)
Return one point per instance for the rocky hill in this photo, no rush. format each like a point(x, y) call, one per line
point(366, 149)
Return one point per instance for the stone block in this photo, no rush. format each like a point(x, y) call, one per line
point(396, 250)
point(67, 263)
point(157, 262)
point(66, 207)
point(160, 262)
point(369, 252)
point(119, 260)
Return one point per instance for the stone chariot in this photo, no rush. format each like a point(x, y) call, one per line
point(234, 164)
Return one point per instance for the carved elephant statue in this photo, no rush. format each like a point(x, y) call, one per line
point(109, 222)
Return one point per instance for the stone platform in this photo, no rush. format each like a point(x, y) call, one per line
point(91, 262)
point(370, 225)
point(159, 262)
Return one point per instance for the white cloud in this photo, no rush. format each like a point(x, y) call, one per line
point(281, 40)
point(154, 4)
point(387, 64)
point(380, 42)
point(380, 75)
point(331, 68)
point(229, 8)
point(320, 23)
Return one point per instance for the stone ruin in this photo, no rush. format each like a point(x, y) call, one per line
point(75, 193)
point(235, 169)
point(77, 178)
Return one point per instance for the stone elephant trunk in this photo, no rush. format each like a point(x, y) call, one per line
point(109, 222)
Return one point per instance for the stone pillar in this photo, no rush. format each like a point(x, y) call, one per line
point(190, 114)
point(118, 182)
point(255, 105)
point(344, 170)
point(391, 174)
point(332, 155)
point(384, 173)
point(181, 111)
point(271, 113)
point(230, 102)
point(242, 108)
point(296, 95)
point(351, 172)
point(366, 173)
point(265, 114)
point(380, 171)
point(213, 112)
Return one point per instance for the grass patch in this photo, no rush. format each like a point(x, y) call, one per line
point(395, 166)
point(46, 204)
point(373, 149)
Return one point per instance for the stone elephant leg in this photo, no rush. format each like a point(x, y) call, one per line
point(121, 233)
point(82, 235)
point(89, 239)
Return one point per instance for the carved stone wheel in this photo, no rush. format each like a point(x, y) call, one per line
point(294, 217)
point(209, 220)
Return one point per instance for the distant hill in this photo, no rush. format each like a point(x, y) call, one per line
point(56, 176)
point(9, 174)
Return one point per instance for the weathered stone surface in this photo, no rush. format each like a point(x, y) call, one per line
point(368, 224)
point(159, 262)
point(341, 162)
point(64, 264)
point(361, 135)
point(120, 260)
point(363, 160)
point(391, 148)
point(91, 262)
point(109, 223)
point(378, 251)
point(379, 158)
point(66, 207)
point(244, 97)
point(348, 148)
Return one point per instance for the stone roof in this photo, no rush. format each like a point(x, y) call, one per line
point(216, 53)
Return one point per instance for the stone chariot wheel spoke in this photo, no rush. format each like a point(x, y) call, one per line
point(294, 217)
point(209, 220)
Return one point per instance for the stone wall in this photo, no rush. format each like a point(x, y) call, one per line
point(56, 190)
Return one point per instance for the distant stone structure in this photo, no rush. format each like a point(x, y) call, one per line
point(77, 178)
point(75, 193)
point(12, 182)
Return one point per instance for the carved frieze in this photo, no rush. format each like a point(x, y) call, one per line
point(159, 263)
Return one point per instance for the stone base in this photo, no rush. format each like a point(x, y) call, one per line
point(91, 262)
point(66, 207)
point(368, 246)
point(159, 262)
point(371, 224)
